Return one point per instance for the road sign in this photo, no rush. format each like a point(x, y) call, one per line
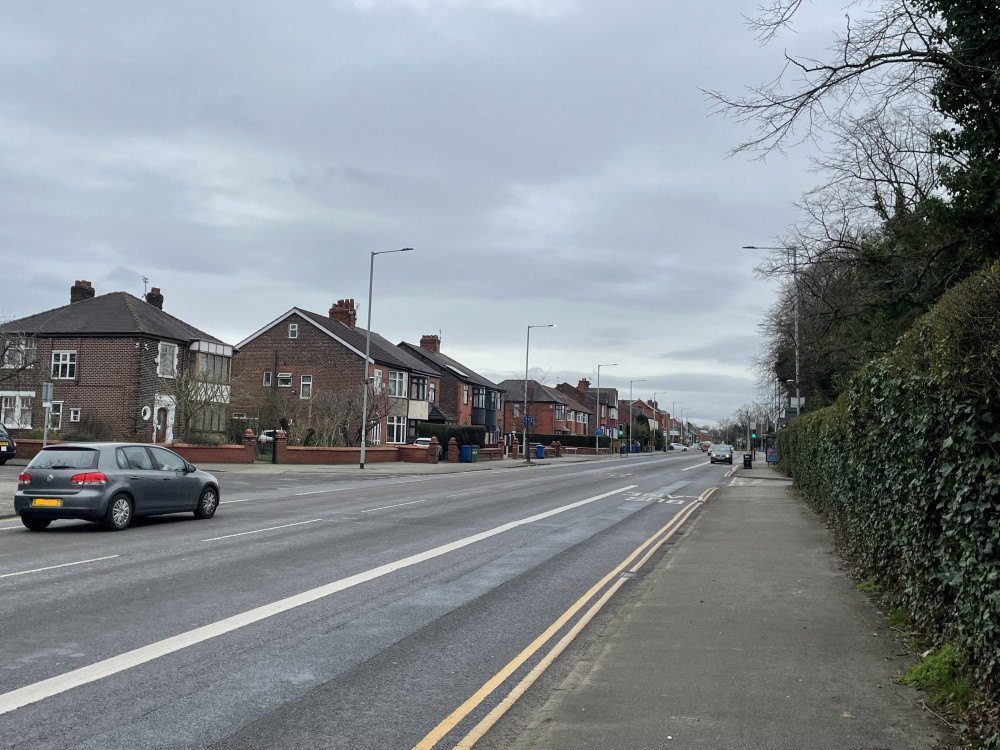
point(529, 421)
point(599, 432)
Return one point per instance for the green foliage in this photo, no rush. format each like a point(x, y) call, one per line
point(905, 464)
point(464, 435)
point(579, 441)
point(941, 675)
point(898, 617)
point(869, 586)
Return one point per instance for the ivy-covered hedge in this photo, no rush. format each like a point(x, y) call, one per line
point(579, 441)
point(907, 462)
point(467, 435)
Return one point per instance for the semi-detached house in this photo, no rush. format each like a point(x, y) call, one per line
point(121, 369)
point(305, 356)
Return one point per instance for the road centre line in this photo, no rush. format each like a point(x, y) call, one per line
point(695, 466)
point(258, 531)
point(452, 720)
point(38, 691)
point(53, 567)
point(398, 505)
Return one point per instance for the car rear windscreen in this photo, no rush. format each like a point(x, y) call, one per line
point(68, 457)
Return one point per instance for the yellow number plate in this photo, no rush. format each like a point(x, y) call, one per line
point(46, 501)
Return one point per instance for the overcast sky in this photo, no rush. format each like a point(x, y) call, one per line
point(550, 161)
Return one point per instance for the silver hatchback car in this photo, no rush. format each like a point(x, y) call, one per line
point(111, 483)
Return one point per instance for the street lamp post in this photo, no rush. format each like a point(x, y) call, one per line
point(527, 347)
point(597, 410)
point(630, 403)
point(795, 298)
point(673, 414)
point(368, 346)
point(656, 422)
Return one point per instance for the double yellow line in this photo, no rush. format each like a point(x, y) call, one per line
point(636, 560)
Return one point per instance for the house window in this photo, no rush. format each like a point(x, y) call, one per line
point(495, 400)
point(18, 353)
point(210, 368)
point(166, 362)
point(64, 365)
point(560, 411)
point(418, 389)
point(396, 430)
point(74, 415)
point(293, 330)
point(465, 394)
point(517, 410)
point(479, 398)
point(267, 379)
point(604, 410)
point(397, 383)
point(581, 417)
point(55, 415)
point(15, 408)
point(432, 393)
point(284, 380)
point(377, 382)
point(211, 418)
point(306, 386)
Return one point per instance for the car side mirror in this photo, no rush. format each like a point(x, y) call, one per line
point(189, 468)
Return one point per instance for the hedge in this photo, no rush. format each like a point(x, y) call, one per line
point(907, 463)
point(464, 435)
point(579, 441)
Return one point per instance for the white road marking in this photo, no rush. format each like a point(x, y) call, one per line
point(258, 531)
point(398, 505)
point(53, 567)
point(61, 683)
point(693, 467)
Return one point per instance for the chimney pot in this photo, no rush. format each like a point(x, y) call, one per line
point(154, 298)
point(344, 312)
point(80, 291)
point(431, 343)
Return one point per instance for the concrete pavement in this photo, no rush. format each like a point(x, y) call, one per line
point(748, 634)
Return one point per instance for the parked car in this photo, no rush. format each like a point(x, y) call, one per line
point(8, 448)
point(426, 441)
point(111, 483)
point(720, 453)
point(678, 447)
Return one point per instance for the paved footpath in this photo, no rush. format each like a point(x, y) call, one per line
point(748, 634)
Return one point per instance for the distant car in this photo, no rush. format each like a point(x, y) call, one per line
point(426, 441)
point(111, 483)
point(8, 448)
point(705, 445)
point(678, 447)
point(720, 453)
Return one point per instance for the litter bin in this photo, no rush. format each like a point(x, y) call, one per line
point(622, 449)
point(748, 460)
point(539, 451)
point(475, 453)
point(465, 454)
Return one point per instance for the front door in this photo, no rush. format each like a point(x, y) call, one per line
point(163, 420)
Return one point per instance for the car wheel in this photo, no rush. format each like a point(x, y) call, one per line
point(35, 523)
point(119, 513)
point(3, 461)
point(207, 503)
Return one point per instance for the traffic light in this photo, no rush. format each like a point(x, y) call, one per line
point(753, 434)
point(620, 432)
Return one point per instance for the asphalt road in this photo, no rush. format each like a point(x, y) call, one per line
point(313, 611)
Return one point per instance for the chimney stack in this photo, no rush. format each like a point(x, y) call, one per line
point(155, 298)
point(431, 343)
point(80, 291)
point(583, 386)
point(344, 312)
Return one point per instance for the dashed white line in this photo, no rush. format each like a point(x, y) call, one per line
point(399, 505)
point(259, 531)
point(53, 567)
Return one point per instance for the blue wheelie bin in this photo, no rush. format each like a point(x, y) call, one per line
point(539, 451)
point(465, 454)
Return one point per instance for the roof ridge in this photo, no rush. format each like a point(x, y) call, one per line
point(131, 311)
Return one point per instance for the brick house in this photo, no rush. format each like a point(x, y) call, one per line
point(121, 369)
point(547, 405)
point(319, 360)
point(585, 395)
point(579, 410)
point(465, 395)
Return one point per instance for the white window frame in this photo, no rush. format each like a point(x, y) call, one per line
point(74, 415)
point(395, 430)
point(15, 409)
point(397, 384)
point(560, 411)
point(55, 415)
point(293, 330)
point(266, 381)
point(516, 408)
point(166, 360)
point(377, 385)
point(465, 394)
point(64, 364)
point(431, 393)
point(305, 386)
point(284, 380)
point(19, 353)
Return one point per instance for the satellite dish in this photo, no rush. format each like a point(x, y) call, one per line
point(146, 413)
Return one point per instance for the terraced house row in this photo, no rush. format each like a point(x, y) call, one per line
point(123, 368)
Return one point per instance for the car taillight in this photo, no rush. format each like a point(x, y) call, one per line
point(24, 478)
point(91, 477)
